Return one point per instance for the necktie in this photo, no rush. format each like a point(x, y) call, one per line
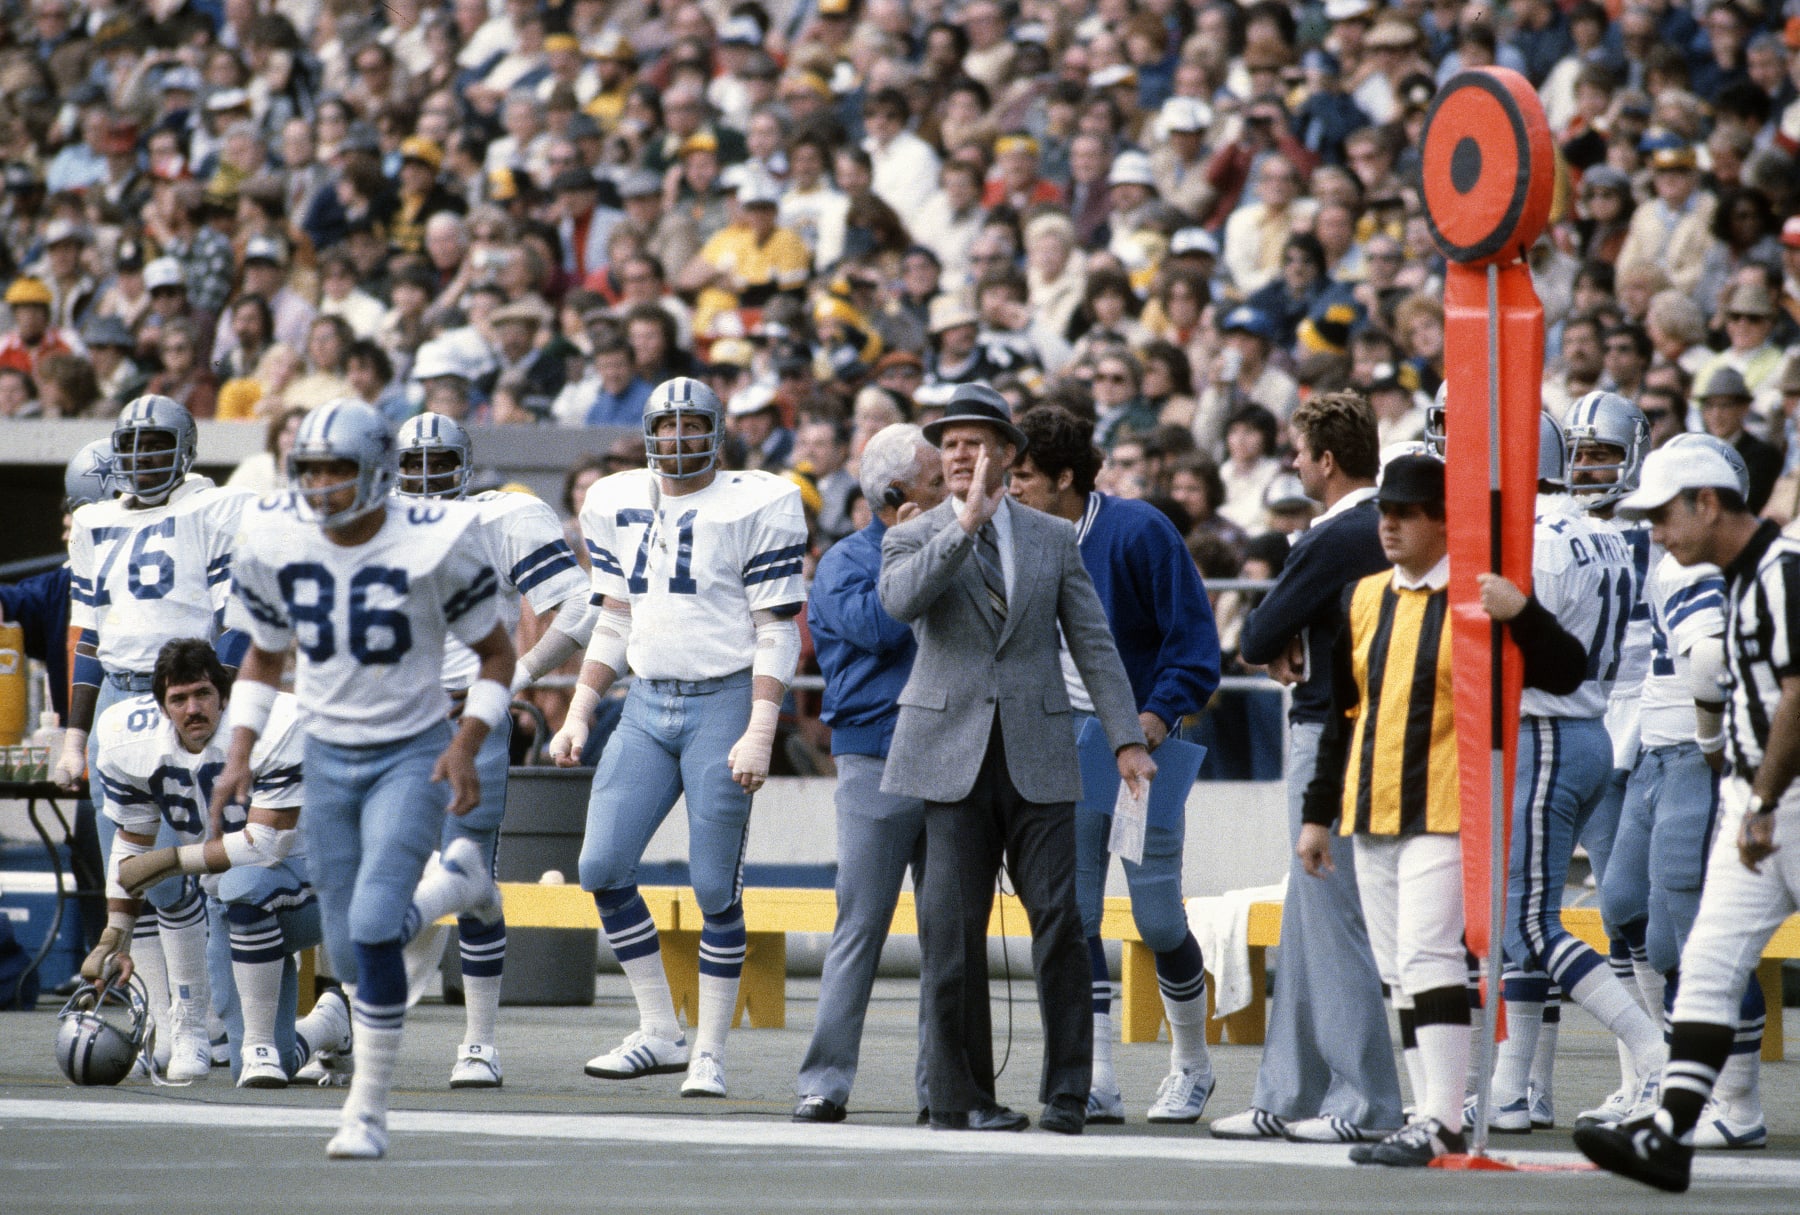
point(987, 553)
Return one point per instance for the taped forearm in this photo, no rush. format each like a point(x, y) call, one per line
point(122, 849)
point(777, 647)
point(612, 635)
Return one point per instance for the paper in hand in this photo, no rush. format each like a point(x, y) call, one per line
point(1130, 820)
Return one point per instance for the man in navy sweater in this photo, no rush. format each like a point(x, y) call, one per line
point(40, 607)
point(1162, 624)
point(1327, 1073)
point(866, 656)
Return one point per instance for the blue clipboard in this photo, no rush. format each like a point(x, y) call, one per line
point(1177, 767)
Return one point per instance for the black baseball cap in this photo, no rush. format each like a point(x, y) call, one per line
point(1415, 479)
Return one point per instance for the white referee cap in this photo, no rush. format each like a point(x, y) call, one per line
point(1668, 471)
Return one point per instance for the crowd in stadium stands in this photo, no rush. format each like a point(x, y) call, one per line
point(1179, 220)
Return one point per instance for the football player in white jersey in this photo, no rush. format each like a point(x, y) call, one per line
point(524, 543)
point(368, 587)
point(1607, 439)
point(1671, 813)
point(148, 567)
point(1581, 571)
point(159, 756)
point(696, 571)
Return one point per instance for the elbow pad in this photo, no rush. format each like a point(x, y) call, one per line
point(1706, 668)
point(260, 845)
point(777, 647)
point(575, 619)
point(612, 631)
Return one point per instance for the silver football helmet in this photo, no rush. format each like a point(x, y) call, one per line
point(343, 430)
point(1553, 454)
point(428, 442)
point(1732, 457)
point(1605, 419)
point(1434, 422)
point(89, 476)
point(101, 1031)
point(682, 398)
point(153, 446)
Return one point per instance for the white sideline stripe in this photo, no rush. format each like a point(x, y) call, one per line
point(613, 1128)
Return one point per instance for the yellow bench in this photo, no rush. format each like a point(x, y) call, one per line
point(1584, 922)
point(770, 913)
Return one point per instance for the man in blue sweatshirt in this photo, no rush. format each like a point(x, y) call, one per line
point(1162, 624)
point(866, 656)
point(1327, 1073)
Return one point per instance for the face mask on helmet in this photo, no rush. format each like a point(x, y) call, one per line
point(153, 446)
point(101, 1031)
point(1608, 438)
point(341, 467)
point(434, 458)
point(682, 425)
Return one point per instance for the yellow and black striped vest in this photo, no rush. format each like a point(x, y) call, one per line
point(1400, 777)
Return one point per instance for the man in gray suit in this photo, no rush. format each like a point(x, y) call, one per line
point(983, 740)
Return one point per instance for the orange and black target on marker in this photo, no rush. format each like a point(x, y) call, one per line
point(1488, 168)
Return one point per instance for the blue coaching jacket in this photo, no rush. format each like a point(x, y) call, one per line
point(1161, 619)
point(864, 653)
point(40, 606)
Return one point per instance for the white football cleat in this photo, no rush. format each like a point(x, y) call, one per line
point(333, 1057)
point(477, 1066)
point(1106, 1107)
point(1329, 1128)
point(1612, 1111)
point(262, 1069)
point(1183, 1095)
point(190, 1057)
point(1718, 1131)
point(358, 1138)
point(705, 1078)
point(641, 1054)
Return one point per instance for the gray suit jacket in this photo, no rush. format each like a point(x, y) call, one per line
point(966, 667)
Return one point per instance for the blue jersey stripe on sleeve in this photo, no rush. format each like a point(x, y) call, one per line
point(774, 556)
point(548, 570)
point(770, 572)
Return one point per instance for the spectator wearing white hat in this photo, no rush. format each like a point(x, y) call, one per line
point(265, 276)
point(1178, 162)
point(72, 289)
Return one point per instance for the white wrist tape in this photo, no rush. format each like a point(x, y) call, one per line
point(259, 844)
point(251, 703)
point(121, 848)
point(1709, 728)
point(489, 701)
point(777, 648)
point(612, 632)
point(583, 705)
point(124, 921)
point(764, 716)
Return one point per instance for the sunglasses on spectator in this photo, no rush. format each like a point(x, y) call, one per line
point(1747, 316)
point(1111, 377)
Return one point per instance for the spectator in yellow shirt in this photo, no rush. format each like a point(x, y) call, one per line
point(750, 261)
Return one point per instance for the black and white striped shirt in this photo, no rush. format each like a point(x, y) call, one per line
point(1762, 629)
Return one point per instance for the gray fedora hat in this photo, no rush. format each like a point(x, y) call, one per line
point(977, 402)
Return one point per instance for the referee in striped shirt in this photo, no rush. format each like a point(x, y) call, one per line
point(1388, 771)
point(1697, 511)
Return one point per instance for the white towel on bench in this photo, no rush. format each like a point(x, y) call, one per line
point(1222, 926)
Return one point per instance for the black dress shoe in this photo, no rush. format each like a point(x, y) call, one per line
point(818, 1109)
point(924, 1118)
point(992, 1118)
point(1064, 1115)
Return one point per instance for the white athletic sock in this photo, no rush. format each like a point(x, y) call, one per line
point(1105, 1079)
point(377, 1047)
point(1650, 986)
point(184, 948)
point(1607, 1001)
point(259, 995)
point(656, 1005)
point(1444, 1061)
point(1739, 1088)
point(148, 961)
point(1628, 1072)
point(1512, 1067)
point(1543, 1059)
point(438, 894)
point(481, 1008)
point(718, 1004)
point(1187, 1033)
